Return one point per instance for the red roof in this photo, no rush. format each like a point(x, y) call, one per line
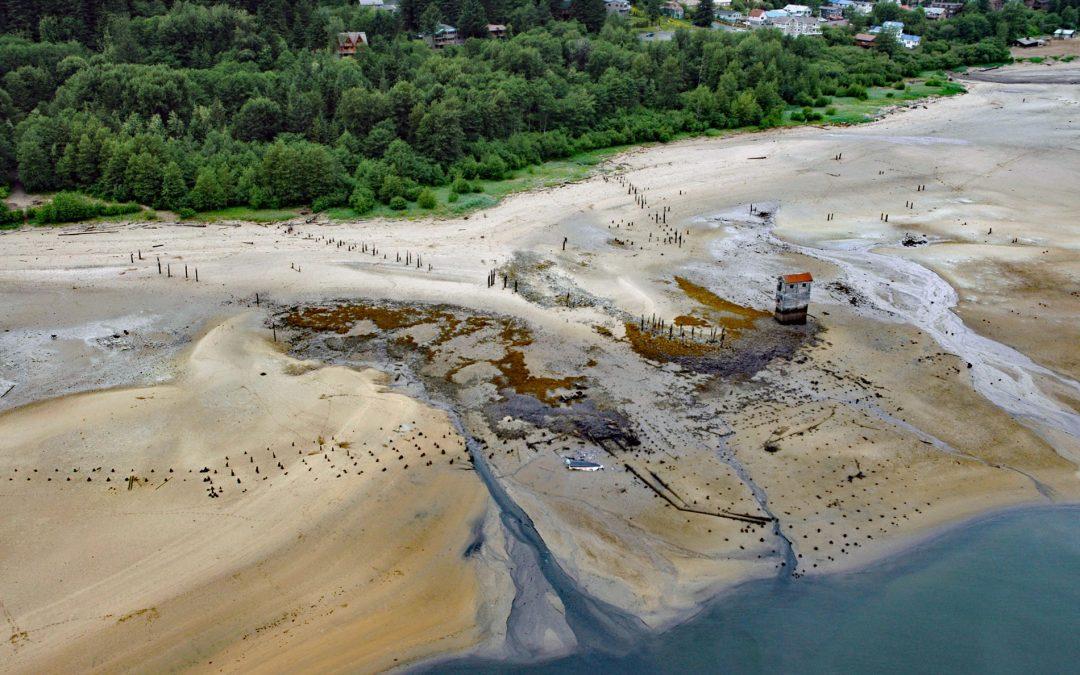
point(757, 12)
point(798, 278)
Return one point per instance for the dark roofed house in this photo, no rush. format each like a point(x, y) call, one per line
point(1028, 42)
point(348, 43)
point(865, 40)
point(446, 35)
point(793, 297)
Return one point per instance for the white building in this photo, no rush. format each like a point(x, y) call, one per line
point(379, 5)
point(797, 25)
point(910, 41)
point(620, 7)
point(798, 10)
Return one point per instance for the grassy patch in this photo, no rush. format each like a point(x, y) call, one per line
point(247, 213)
point(849, 110)
point(548, 174)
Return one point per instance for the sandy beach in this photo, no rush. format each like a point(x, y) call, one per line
point(338, 448)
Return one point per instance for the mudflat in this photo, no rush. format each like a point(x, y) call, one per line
point(199, 477)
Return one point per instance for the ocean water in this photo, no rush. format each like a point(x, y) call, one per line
point(998, 595)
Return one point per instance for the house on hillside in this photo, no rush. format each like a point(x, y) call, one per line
point(348, 43)
point(620, 7)
point(1064, 34)
point(756, 17)
point(951, 8)
point(772, 15)
point(909, 41)
point(672, 9)
point(379, 5)
point(445, 35)
point(496, 30)
point(798, 25)
point(865, 40)
point(798, 10)
point(792, 297)
point(894, 27)
point(934, 13)
point(832, 12)
point(563, 10)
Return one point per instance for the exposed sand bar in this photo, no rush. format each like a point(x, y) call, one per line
point(118, 560)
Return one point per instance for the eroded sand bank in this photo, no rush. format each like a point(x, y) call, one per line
point(320, 550)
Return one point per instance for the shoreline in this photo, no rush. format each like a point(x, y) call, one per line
point(900, 556)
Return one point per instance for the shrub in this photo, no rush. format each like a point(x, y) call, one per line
point(186, 212)
point(831, 110)
point(398, 203)
point(69, 207)
point(461, 186)
point(453, 197)
point(9, 217)
point(324, 202)
point(426, 199)
point(856, 91)
point(797, 116)
point(362, 199)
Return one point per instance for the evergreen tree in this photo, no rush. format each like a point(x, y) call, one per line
point(113, 180)
point(259, 119)
point(144, 176)
point(430, 18)
point(207, 194)
point(472, 21)
point(173, 188)
point(704, 15)
point(591, 13)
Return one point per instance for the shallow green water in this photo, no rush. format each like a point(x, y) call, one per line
point(1000, 595)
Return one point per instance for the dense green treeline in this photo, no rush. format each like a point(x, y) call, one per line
point(205, 105)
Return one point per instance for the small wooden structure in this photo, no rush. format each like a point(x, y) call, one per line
point(865, 40)
point(793, 297)
point(348, 43)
